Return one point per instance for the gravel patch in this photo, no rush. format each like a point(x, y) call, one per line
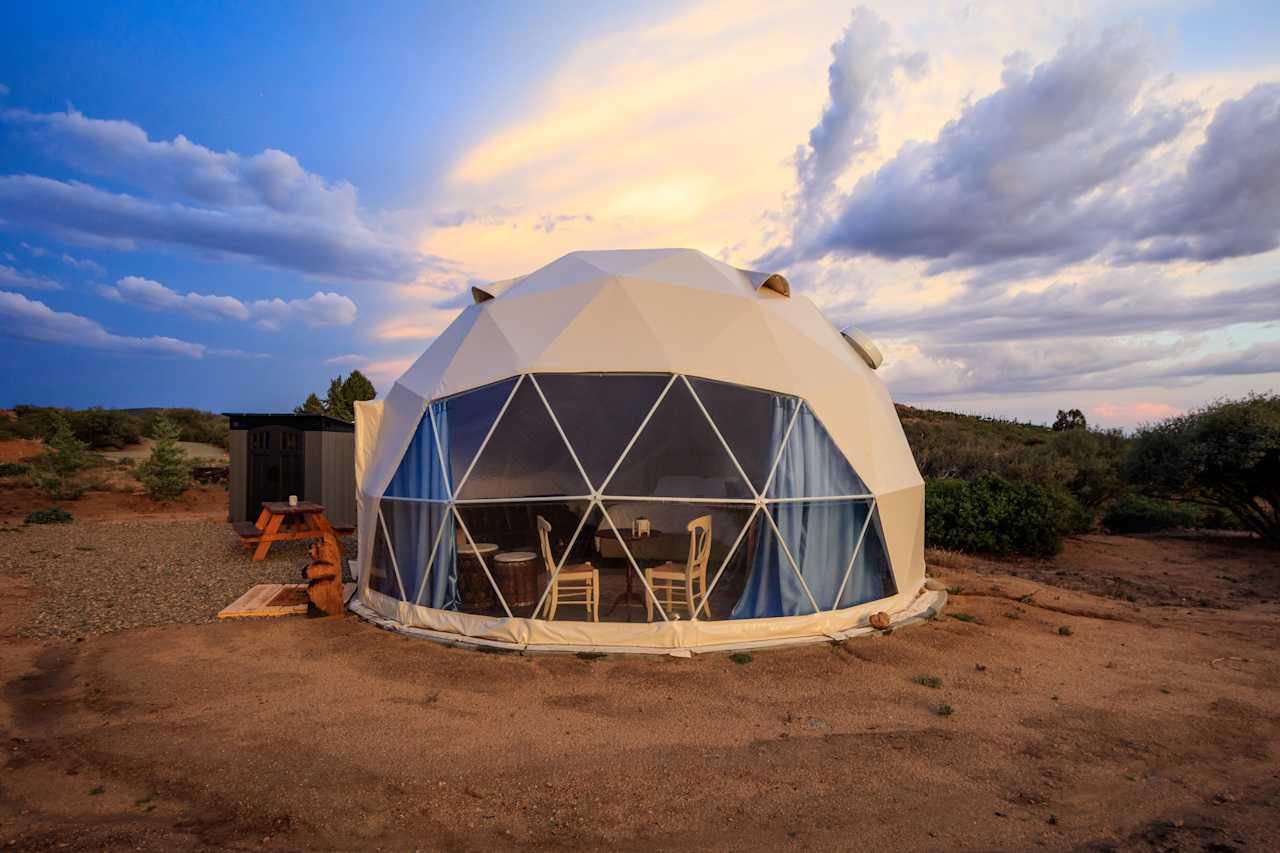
point(92, 578)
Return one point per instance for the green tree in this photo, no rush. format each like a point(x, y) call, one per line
point(335, 402)
point(313, 405)
point(1070, 419)
point(357, 387)
point(1225, 455)
point(54, 471)
point(340, 400)
point(167, 471)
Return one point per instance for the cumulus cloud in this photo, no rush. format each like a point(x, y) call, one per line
point(864, 71)
point(12, 277)
point(152, 294)
point(31, 320)
point(319, 309)
point(1063, 163)
point(265, 207)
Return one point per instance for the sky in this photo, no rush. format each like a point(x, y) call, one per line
point(1029, 207)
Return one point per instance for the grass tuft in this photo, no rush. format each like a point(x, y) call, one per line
point(945, 710)
point(928, 681)
point(740, 658)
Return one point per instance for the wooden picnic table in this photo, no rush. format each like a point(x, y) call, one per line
point(280, 521)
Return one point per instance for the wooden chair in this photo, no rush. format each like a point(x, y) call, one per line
point(574, 584)
point(683, 586)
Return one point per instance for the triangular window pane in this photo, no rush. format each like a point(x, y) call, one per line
point(420, 474)
point(812, 466)
point(678, 455)
point(771, 587)
point(462, 421)
point(872, 577)
point(600, 412)
point(525, 457)
point(506, 535)
point(753, 423)
point(662, 554)
point(821, 536)
point(414, 526)
point(382, 568)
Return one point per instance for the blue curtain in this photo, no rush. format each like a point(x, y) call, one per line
point(871, 578)
point(812, 466)
point(420, 474)
point(772, 588)
point(821, 535)
point(413, 526)
point(442, 586)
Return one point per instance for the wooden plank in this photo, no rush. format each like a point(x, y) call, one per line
point(256, 602)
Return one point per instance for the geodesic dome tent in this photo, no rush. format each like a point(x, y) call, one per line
point(638, 450)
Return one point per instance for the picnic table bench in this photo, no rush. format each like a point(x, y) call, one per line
point(281, 521)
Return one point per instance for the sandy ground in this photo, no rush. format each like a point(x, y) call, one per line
point(1152, 725)
point(116, 494)
point(206, 453)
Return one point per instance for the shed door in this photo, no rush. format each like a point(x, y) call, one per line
point(276, 466)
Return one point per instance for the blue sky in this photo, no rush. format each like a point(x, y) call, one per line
point(222, 206)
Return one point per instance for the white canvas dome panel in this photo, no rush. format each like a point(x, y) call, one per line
point(649, 446)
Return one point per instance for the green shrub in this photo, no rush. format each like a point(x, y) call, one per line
point(1137, 514)
point(1086, 462)
point(1225, 455)
point(167, 471)
point(193, 425)
point(14, 469)
point(51, 515)
point(55, 472)
point(102, 428)
point(990, 515)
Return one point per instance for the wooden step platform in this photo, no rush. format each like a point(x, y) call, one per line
point(274, 599)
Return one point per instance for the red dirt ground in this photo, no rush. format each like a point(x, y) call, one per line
point(120, 499)
point(1153, 724)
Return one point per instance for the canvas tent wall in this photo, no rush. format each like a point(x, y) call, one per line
point(277, 455)
point(610, 386)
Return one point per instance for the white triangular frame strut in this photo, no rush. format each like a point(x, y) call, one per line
point(656, 403)
point(634, 565)
point(386, 537)
point(871, 511)
point(483, 564)
point(724, 564)
point(568, 549)
point(454, 492)
point(444, 475)
point(759, 502)
point(431, 560)
point(595, 497)
point(732, 456)
point(786, 549)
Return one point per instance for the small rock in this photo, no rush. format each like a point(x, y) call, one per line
point(879, 621)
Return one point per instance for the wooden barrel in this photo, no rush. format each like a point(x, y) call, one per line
point(516, 574)
point(473, 587)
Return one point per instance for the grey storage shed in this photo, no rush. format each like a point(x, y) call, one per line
point(277, 455)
